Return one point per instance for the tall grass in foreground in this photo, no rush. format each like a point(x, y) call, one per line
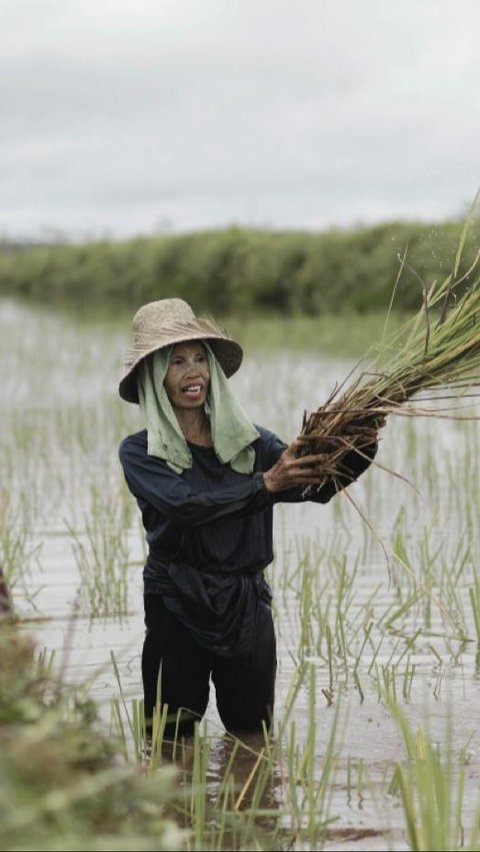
point(64, 786)
point(285, 792)
point(257, 792)
point(431, 787)
point(61, 783)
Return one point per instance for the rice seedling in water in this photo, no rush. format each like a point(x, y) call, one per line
point(224, 796)
point(474, 592)
point(431, 787)
point(102, 555)
point(267, 791)
point(17, 551)
point(310, 790)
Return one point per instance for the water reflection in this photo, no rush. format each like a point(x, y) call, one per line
point(236, 783)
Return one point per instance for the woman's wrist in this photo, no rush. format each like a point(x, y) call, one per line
point(267, 479)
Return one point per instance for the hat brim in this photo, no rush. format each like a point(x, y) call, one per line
point(228, 353)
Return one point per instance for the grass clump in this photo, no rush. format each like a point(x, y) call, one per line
point(62, 783)
point(431, 787)
point(101, 554)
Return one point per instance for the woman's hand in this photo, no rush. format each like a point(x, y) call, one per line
point(290, 471)
point(365, 429)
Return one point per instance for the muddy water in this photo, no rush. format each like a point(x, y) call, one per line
point(61, 423)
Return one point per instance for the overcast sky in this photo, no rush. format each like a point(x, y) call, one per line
point(121, 117)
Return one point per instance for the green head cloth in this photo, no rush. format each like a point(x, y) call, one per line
point(232, 431)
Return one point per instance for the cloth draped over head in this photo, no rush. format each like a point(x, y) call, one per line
point(232, 431)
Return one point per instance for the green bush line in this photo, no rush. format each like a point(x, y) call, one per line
point(239, 271)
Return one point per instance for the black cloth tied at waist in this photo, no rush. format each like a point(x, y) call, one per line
point(221, 610)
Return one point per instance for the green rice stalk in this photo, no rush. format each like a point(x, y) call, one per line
point(474, 593)
point(438, 348)
point(431, 789)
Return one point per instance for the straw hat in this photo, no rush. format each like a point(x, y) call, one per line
point(166, 322)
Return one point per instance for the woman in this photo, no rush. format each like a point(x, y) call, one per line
point(206, 480)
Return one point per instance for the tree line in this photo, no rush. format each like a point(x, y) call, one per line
point(240, 271)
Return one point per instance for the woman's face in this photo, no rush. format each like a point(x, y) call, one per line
point(188, 377)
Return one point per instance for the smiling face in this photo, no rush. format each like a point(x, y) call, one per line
point(188, 376)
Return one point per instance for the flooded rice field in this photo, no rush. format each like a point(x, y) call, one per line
point(376, 595)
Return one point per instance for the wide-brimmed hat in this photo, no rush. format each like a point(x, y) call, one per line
point(169, 321)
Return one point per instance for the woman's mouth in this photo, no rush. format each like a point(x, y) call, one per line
point(192, 391)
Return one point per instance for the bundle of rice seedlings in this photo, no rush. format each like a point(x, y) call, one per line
point(438, 348)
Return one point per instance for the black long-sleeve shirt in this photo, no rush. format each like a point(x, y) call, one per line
point(209, 534)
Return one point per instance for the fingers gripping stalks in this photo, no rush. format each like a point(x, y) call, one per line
point(336, 434)
point(318, 454)
point(295, 468)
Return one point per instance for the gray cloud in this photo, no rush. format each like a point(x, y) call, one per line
point(123, 116)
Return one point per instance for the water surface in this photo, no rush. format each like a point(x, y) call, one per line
point(62, 421)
